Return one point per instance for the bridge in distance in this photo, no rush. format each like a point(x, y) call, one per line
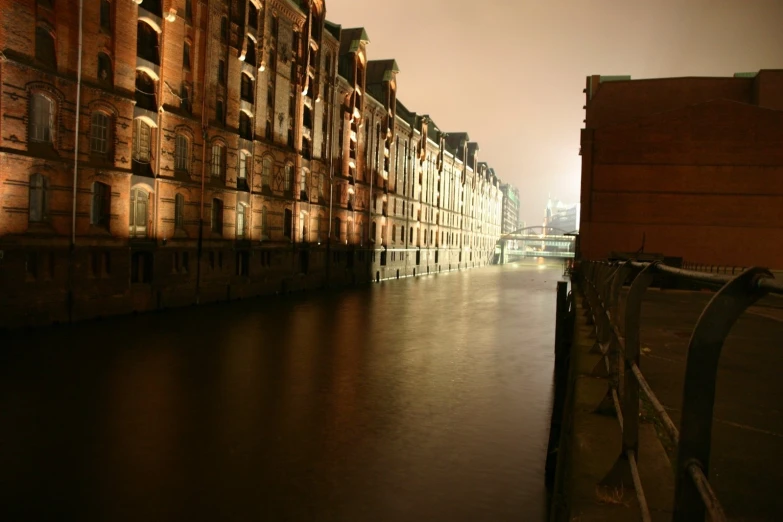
point(533, 242)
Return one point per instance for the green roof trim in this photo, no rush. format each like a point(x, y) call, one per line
point(619, 78)
point(746, 74)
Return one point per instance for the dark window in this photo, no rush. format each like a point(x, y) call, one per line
point(264, 224)
point(246, 88)
point(139, 203)
point(106, 15)
point(145, 92)
point(252, 17)
point(217, 216)
point(222, 72)
point(101, 204)
point(147, 43)
point(141, 267)
point(250, 55)
point(245, 126)
point(224, 29)
point(100, 133)
point(219, 111)
point(186, 56)
point(179, 211)
point(288, 223)
point(39, 199)
point(337, 228)
point(184, 98)
point(44, 47)
point(105, 73)
point(189, 10)
point(266, 171)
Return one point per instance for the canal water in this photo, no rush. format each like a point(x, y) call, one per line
point(415, 400)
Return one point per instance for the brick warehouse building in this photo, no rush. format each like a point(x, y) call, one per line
point(685, 167)
point(227, 149)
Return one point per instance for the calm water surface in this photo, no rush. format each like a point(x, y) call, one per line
point(423, 399)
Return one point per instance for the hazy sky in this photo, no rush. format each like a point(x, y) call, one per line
point(511, 72)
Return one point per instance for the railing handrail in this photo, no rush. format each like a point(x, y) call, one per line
point(602, 283)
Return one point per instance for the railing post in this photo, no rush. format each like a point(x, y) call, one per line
point(698, 398)
point(633, 312)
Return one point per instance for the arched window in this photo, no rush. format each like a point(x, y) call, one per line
point(179, 211)
point(246, 88)
point(39, 199)
point(145, 91)
point(105, 70)
point(44, 47)
point(217, 216)
point(41, 119)
point(101, 204)
point(218, 160)
point(266, 172)
point(142, 142)
point(139, 203)
point(289, 178)
point(100, 133)
point(147, 43)
point(182, 153)
point(245, 126)
point(250, 56)
point(264, 224)
point(240, 224)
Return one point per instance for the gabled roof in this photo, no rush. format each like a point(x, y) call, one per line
point(352, 39)
point(334, 29)
point(379, 71)
point(456, 141)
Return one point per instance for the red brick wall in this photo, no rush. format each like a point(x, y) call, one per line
point(704, 182)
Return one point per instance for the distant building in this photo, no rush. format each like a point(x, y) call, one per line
point(684, 167)
point(561, 217)
point(510, 208)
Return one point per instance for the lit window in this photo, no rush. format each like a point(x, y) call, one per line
point(240, 220)
point(141, 142)
point(138, 212)
point(243, 165)
point(218, 160)
point(289, 177)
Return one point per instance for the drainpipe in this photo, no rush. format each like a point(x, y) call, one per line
point(75, 160)
point(204, 134)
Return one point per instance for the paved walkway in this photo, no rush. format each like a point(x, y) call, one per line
point(747, 452)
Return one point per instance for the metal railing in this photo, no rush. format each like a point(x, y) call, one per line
point(714, 269)
point(602, 286)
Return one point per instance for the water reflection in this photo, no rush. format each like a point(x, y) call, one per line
point(422, 399)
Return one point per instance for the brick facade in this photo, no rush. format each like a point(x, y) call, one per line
point(222, 154)
point(685, 167)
